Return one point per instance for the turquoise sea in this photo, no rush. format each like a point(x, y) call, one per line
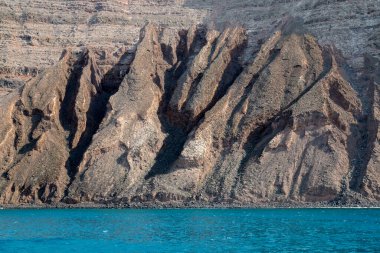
point(190, 230)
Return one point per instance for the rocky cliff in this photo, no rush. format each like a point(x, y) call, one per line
point(189, 108)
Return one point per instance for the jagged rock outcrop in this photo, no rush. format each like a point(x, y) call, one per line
point(47, 126)
point(195, 117)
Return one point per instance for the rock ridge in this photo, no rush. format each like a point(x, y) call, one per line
point(189, 117)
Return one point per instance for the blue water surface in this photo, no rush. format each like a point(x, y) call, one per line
point(190, 230)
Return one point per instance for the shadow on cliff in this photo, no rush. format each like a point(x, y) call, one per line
point(364, 134)
point(178, 125)
point(176, 133)
point(109, 85)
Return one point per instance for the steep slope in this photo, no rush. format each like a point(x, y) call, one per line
point(190, 119)
point(140, 135)
point(200, 126)
point(370, 174)
point(47, 126)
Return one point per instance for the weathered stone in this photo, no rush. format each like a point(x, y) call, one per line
point(182, 112)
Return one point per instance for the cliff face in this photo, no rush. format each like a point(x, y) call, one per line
point(34, 33)
point(179, 111)
point(191, 122)
point(351, 26)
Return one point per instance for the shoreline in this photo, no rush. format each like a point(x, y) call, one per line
point(192, 205)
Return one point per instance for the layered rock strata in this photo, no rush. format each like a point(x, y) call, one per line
point(34, 33)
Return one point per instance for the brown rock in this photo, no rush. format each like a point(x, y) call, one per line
point(193, 120)
point(45, 127)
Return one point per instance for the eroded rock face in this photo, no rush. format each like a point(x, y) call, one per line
point(194, 120)
point(370, 181)
point(47, 125)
